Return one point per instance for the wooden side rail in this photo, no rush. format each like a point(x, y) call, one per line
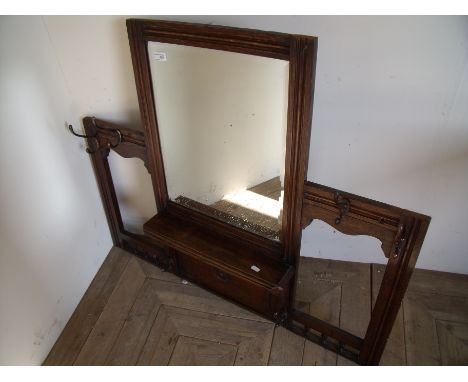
point(101, 138)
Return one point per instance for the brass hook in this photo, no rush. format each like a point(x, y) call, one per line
point(119, 134)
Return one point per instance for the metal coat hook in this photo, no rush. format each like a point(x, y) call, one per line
point(109, 144)
point(88, 150)
point(70, 127)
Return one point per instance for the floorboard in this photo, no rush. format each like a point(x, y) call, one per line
point(76, 332)
point(133, 313)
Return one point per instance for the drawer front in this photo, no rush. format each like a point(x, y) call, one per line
point(244, 291)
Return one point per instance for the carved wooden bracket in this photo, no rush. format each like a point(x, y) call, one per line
point(351, 214)
point(104, 136)
point(343, 205)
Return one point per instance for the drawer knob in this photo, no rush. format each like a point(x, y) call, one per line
point(222, 276)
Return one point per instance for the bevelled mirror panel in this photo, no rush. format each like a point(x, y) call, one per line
point(222, 127)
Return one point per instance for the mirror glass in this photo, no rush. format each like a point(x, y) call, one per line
point(222, 126)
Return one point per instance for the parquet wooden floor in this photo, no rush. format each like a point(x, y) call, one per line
point(135, 314)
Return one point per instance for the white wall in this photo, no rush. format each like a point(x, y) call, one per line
point(53, 231)
point(94, 56)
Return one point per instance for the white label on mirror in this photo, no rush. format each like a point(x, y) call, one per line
point(255, 268)
point(159, 56)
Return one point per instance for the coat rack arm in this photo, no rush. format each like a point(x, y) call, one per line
point(70, 128)
point(402, 234)
point(101, 136)
point(352, 214)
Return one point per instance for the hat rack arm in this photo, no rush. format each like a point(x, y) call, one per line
point(101, 137)
point(402, 234)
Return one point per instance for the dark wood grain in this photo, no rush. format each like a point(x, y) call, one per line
point(223, 265)
point(394, 283)
point(248, 41)
point(365, 216)
point(395, 349)
point(301, 91)
point(147, 110)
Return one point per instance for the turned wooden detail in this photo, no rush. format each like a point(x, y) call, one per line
point(104, 136)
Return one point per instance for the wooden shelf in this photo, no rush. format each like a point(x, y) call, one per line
point(198, 241)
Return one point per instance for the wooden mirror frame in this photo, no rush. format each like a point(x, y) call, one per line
point(401, 231)
point(299, 51)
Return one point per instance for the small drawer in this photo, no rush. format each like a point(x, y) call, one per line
point(235, 286)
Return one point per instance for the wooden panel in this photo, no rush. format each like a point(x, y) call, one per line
point(437, 329)
point(453, 342)
point(81, 323)
point(229, 232)
point(154, 294)
point(231, 285)
point(364, 216)
point(127, 346)
point(287, 348)
point(436, 318)
point(451, 284)
point(109, 324)
point(251, 338)
point(435, 323)
point(193, 239)
point(197, 352)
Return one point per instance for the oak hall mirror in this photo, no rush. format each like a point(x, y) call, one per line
point(227, 115)
point(222, 121)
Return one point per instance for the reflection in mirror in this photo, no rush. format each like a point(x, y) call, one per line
point(222, 127)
